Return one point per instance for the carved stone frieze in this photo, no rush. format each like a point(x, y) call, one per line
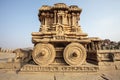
point(34, 68)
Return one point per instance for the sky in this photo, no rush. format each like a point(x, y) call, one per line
point(19, 18)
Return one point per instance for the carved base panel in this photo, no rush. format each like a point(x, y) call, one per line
point(104, 56)
point(108, 55)
point(36, 68)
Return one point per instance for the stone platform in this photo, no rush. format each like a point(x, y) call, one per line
point(100, 75)
point(103, 71)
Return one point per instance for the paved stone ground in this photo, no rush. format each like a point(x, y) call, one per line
point(102, 75)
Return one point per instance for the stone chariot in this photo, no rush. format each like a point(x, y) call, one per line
point(62, 46)
point(60, 39)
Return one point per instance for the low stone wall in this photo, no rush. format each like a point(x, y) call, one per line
point(108, 55)
point(103, 55)
point(10, 66)
point(2, 50)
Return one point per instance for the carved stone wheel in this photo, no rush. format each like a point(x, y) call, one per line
point(74, 54)
point(43, 54)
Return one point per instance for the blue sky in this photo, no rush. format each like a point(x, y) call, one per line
point(18, 19)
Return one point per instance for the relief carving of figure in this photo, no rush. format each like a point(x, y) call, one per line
point(60, 30)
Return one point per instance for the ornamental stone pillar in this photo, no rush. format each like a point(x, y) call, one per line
point(99, 45)
point(58, 20)
point(69, 20)
point(55, 14)
point(92, 45)
point(45, 21)
point(77, 19)
point(65, 18)
point(73, 19)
